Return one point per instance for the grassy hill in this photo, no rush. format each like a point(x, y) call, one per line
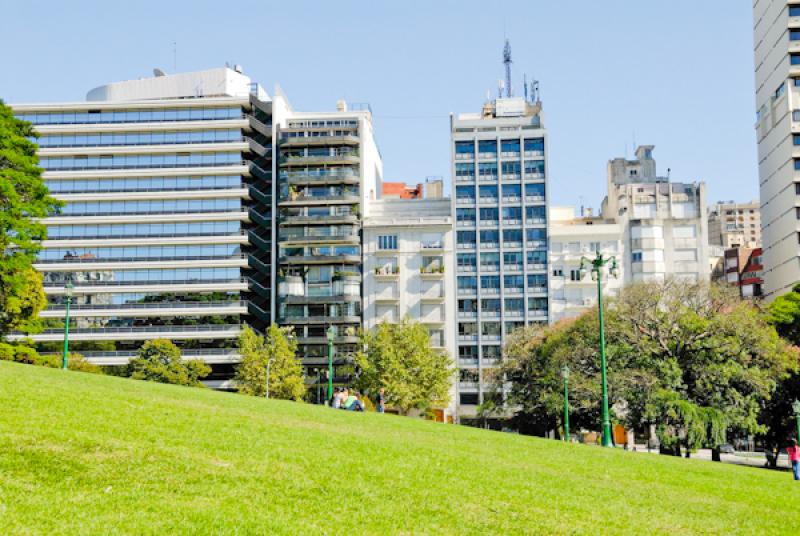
point(81, 453)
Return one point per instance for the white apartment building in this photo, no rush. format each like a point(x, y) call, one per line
point(571, 239)
point(409, 267)
point(500, 203)
point(776, 39)
point(664, 224)
point(733, 225)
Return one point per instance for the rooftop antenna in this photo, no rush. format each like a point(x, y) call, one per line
point(500, 85)
point(535, 91)
point(525, 85)
point(507, 62)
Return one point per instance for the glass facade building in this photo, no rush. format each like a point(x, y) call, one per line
point(166, 229)
point(500, 205)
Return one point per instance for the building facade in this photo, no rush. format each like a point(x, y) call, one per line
point(329, 171)
point(776, 38)
point(499, 175)
point(572, 239)
point(664, 224)
point(732, 225)
point(164, 181)
point(409, 267)
point(744, 268)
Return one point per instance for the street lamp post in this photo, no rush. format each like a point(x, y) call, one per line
point(68, 294)
point(331, 335)
point(597, 265)
point(269, 361)
point(796, 408)
point(565, 375)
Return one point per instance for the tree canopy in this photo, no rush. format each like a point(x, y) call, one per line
point(692, 359)
point(160, 360)
point(279, 349)
point(399, 357)
point(24, 199)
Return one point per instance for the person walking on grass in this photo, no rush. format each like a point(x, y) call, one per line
point(793, 452)
point(381, 400)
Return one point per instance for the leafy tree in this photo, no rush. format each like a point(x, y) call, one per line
point(279, 349)
point(160, 360)
point(777, 414)
point(399, 358)
point(692, 359)
point(24, 199)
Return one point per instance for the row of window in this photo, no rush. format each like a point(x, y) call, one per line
point(151, 206)
point(511, 260)
point(130, 116)
point(318, 134)
point(535, 213)
point(493, 328)
point(140, 161)
point(490, 191)
point(489, 351)
point(493, 282)
point(489, 169)
point(508, 235)
point(320, 251)
point(506, 146)
point(291, 193)
point(143, 229)
point(320, 309)
point(318, 172)
point(140, 252)
point(166, 274)
point(138, 138)
point(128, 298)
point(318, 231)
point(493, 305)
point(135, 184)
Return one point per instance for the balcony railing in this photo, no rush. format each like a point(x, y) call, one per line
point(150, 305)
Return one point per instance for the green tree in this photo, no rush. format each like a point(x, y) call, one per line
point(24, 199)
point(692, 359)
point(22, 353)
point(160, 360)
point(279, 349)
point(399, 358)
point(777, 414)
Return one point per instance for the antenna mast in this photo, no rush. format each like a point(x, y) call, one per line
point(507, 62)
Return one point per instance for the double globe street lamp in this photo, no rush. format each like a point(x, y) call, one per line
point(596, 266)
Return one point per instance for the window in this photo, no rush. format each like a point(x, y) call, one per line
point(490, 329)
point(491, 352)
point(594, 247)
point(465, 170)
point(467, 306)
point(490, 282)
point(465, 193)
point(387, 242)
point(468, 399)
point(636, 256)
point(487, 169)
point(466, 148)
point(488, 193)
point(537, 304)
point(465, 215)
point(558, 272)
point(489, 214)
point(686, 255)
point(490, 305)
point(534, 145)
point(515, 305)
point(535, 214)
point(794, 11)
point(538, 256)
point(780, 91)
point(466, 261)
point(512, 191)
point(511, 168)
point(513, 282)
point(487, 147)
point(575, 275)
point(509, 146)
point(512, 236)
point(466, 284)
point(467, 328)
point(794, 35)
point(490, 238)
point(537, 282)
point(794, 59)
point(513, 213)
point(534, 191)
point(490, 261)
point(512, 260)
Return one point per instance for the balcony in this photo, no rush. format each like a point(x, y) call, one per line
point(320, 259)
point(316, 141)
point(433, 247)
point(143, 333)
point(332, 238)
point(324, 219)
point(212, 356)
point(347, 158)
point(320, 319)
point(387, 272)
point(432, 271)
point(160, 309)
point(305, 200)
point(435, 295)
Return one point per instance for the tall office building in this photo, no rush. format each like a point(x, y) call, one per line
point(166, 228)
point(500, 180)
point(328, 169)
point(776, 41)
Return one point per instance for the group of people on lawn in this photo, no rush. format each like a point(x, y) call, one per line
point(351, 400)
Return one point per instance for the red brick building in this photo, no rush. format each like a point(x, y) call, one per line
point(744, 268)
point(400, 190)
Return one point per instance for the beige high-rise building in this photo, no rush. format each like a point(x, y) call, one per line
point(776, 48)
point(733, 225)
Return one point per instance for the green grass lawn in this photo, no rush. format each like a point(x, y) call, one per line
point(81, 453)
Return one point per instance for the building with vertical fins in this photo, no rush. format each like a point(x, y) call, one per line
point(776, 50)
point(499, 175)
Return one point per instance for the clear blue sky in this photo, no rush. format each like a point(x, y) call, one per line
point(678, 74)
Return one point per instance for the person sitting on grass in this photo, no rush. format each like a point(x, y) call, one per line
point(336, 403)
point(352, 403)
